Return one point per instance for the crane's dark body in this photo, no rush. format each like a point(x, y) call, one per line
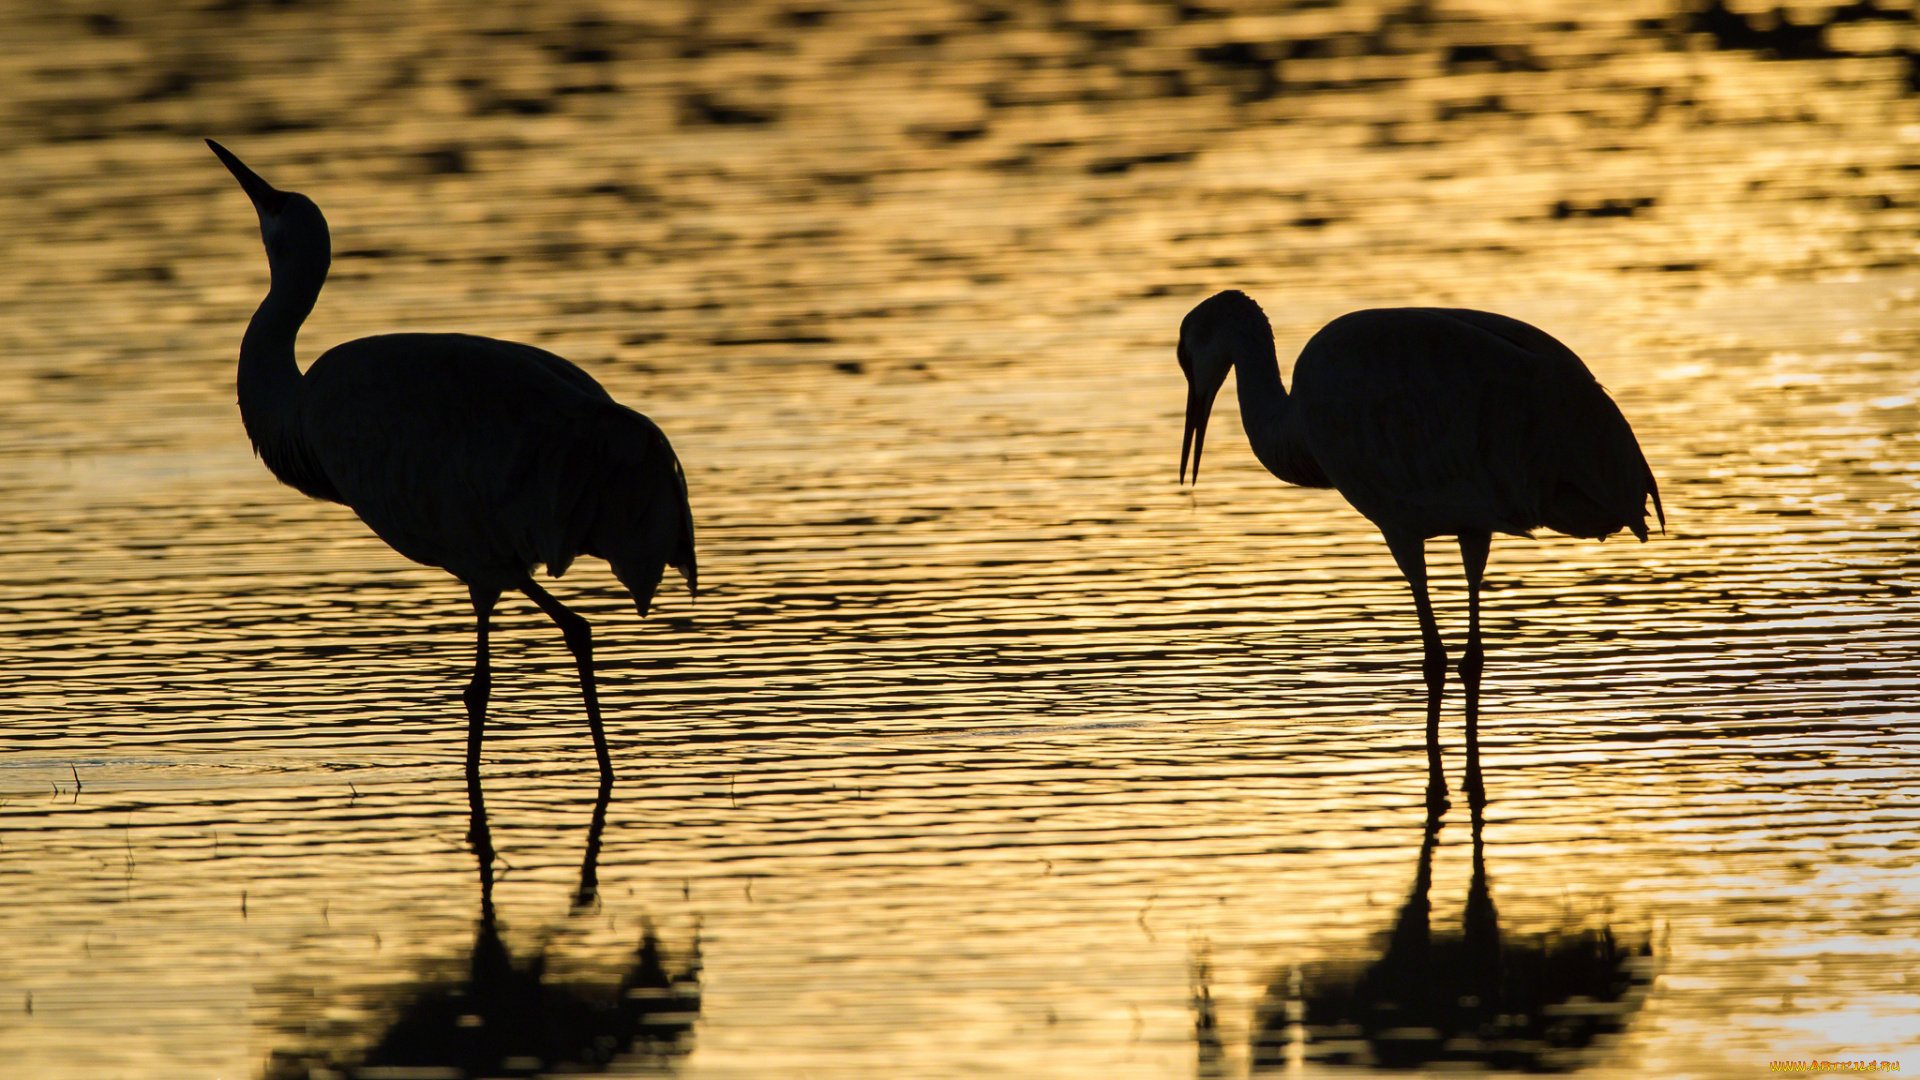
point(1431, 422)
point(483, 457)
point(579, 475)
point(1452, 421)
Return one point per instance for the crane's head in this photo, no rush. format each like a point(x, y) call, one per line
point(1206, 351)
point(290, 224)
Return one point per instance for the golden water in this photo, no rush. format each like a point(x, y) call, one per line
point(986, 746)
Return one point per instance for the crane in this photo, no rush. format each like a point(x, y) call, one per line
point(1430, 422)
point(483, 457)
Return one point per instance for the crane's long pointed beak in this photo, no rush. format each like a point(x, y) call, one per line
point(266, 198)
point(1198, 408)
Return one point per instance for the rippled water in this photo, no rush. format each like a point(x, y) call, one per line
point(987, 750)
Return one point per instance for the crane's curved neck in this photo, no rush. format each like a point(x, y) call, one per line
point(269, 379)
point(270, 382)
point(1263, 400)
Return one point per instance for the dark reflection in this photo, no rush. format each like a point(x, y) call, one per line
point(481, 838)
point(1539, 1002)
point(1777, 34)
point(506, 1017)
point(1212, 1063)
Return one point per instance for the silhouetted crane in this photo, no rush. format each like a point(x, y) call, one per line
point(1432, 422)
point(483, 457)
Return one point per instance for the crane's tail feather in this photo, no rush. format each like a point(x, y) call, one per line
point(640, 519)
point(683, 556)
point(1604, 480)
point(1653, 489)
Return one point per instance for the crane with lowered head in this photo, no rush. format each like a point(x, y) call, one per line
point(1431, 422)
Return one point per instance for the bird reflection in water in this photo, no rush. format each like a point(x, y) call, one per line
point(1538, 1002)
point(509, 1017)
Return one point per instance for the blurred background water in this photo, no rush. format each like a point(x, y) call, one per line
point(987, 750)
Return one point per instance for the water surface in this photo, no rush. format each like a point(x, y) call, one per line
point(987, 749)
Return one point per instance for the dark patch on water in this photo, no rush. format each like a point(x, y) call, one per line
point(1602, 208)
point(702, 108)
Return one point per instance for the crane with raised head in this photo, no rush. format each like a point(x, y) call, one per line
point(483, 457)
point(1431, 422)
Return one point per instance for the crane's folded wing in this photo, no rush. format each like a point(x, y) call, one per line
point(480, 456)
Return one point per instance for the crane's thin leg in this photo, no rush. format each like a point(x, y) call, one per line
point(1410, 553)
point(1473, 559)
point(580, 641)
point(476, 696)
